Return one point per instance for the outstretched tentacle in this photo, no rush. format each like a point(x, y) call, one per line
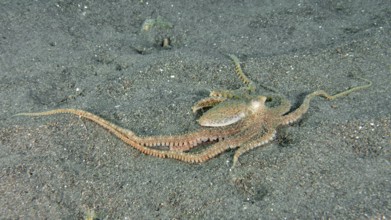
point(298, 113)
point(188, 141)
point(174, 142)
point(84, 114)
point(131, 139)
point(251, 87)
point(261, 140)
point(207, 102)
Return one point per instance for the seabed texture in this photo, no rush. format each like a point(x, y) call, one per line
point(143, 64)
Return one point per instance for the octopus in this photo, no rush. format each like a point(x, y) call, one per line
point(233, 119)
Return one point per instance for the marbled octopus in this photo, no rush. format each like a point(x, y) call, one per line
point(236, 119)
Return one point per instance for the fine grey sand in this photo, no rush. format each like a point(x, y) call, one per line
point(143, 64)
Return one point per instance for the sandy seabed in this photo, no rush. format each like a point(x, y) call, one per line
point(143, 64)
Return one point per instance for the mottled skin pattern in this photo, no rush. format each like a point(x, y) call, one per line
point(236, 119)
